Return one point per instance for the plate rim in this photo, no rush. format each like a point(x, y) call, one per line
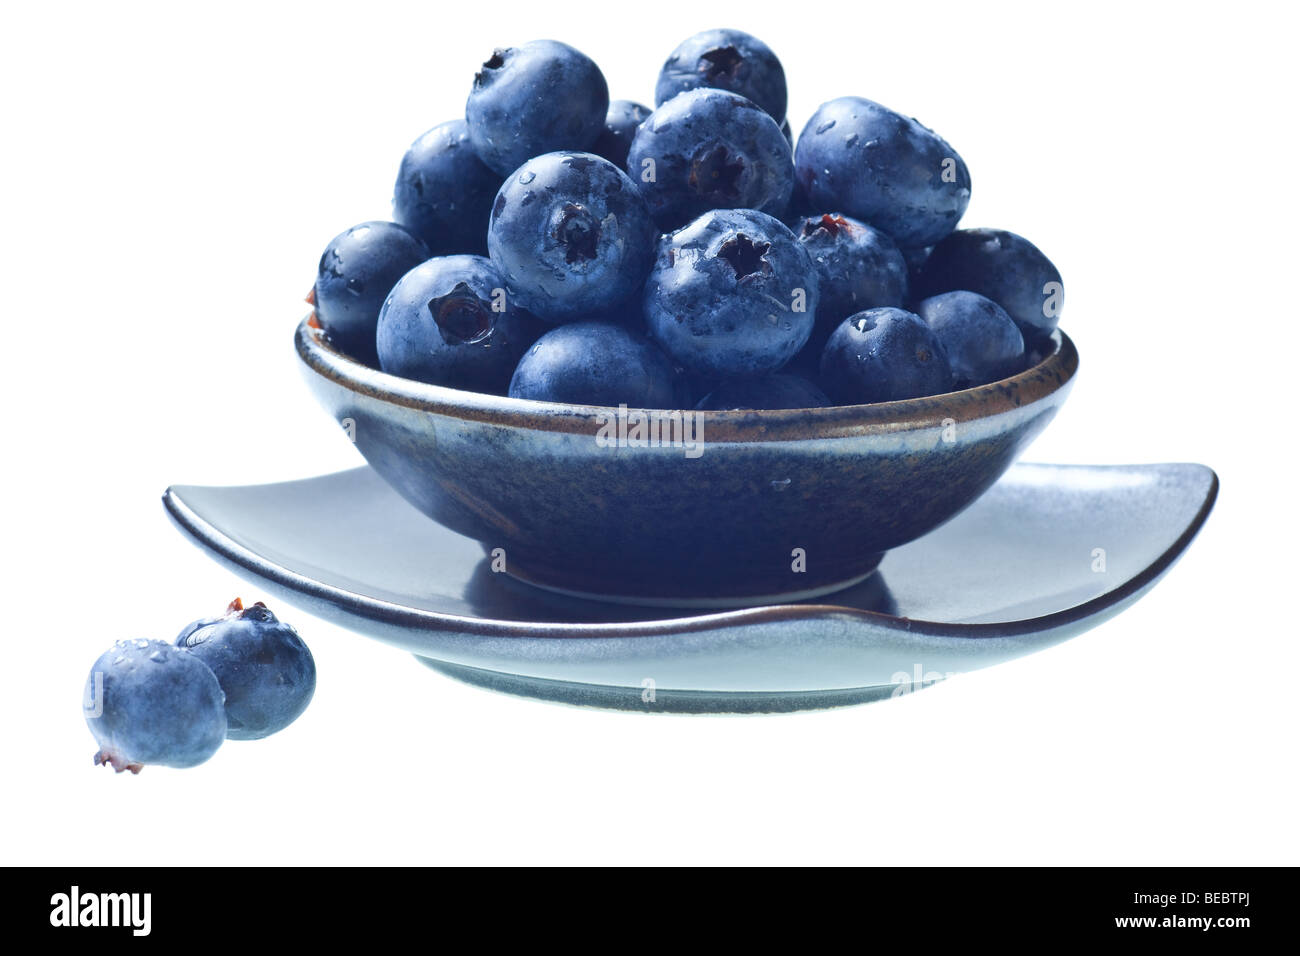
point(207, 536)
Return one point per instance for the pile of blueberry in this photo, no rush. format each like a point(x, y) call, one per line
point(241, 676)
point(557, 246)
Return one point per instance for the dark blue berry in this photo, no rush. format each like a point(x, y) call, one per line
point(621, 121)
point(571, 235)
point(1001, 266)
point(725, 60)
point(444, 192)
point(595, 363)
point(979, 338)
point(356, 272)
point(731, 294)
point(710, 149)
point(883, 168)
point(450, 321)
point(883, 355)
point(147, 702)
point(767, 391)
point(266, 671)
point(532, 99)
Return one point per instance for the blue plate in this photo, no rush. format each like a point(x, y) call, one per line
point(1049, 552)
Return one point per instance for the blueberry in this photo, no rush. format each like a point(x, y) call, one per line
point(1001, 266)
point(595, 363)
point(147, 702)
point(262, 665)
point(767, 391)
point(882, 168)
point(532, 99)
point(725, 60)
point(883, 355)
point(710, 149)
point(449, 321)
point(571, 235)
point(356, 272)
point(979, 338)
point(621, 122)
point(444, 192)
point(858, 268)
point(731, 294)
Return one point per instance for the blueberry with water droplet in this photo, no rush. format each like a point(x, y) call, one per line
point(982, 342)
point(885, 169)
point(571, 236)
point(356, 271)
point(883, 355)
point(263, 667)
point(444, 192)
point(147, 702)
point(731, 294)
point(533, 99)
point(725, 60)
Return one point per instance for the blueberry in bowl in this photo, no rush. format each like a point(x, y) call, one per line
point(571, 235)
point(726, 60)
point(710, 149)
point(981, 341)
point(444, 193)
point(883, 168)
point(356, 271)
point(685, 507)
point(450, 321)
point(884, 355)
point(595, 363)
point(732, 293)
point(535, 98)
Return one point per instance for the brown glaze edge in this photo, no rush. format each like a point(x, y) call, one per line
point(1033, 384)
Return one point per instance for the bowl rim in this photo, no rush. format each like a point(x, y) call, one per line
point(1053, 372)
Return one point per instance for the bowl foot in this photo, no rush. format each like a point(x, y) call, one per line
point(660, 700)
point(551, 579)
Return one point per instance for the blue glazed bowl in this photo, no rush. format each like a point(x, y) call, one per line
point(691, 509)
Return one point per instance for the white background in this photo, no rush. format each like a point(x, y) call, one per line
point(169, 180)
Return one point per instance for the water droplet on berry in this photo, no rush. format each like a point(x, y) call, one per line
point(825, 126)
point(526, 177)
point(158, 657)
point(780, 484)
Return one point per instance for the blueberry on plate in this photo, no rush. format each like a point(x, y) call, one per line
point(450, 321)
point(571, 235)
point(725, 60)
point(1001, 266)
point(444, 192)
point(979, 338)
point(731, 294)
point(356, 272)
point(621, 121)
point(858, 268)
point(147, 702)
point(595, 363)
point(532, 99)
point(710, 149)
point(266, 671)
point(768, 391)
point(883, 355)
point(882, 168)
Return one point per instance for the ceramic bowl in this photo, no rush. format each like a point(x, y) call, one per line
point(695, 509)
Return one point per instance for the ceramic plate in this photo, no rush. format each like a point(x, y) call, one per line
point(1049, 552)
